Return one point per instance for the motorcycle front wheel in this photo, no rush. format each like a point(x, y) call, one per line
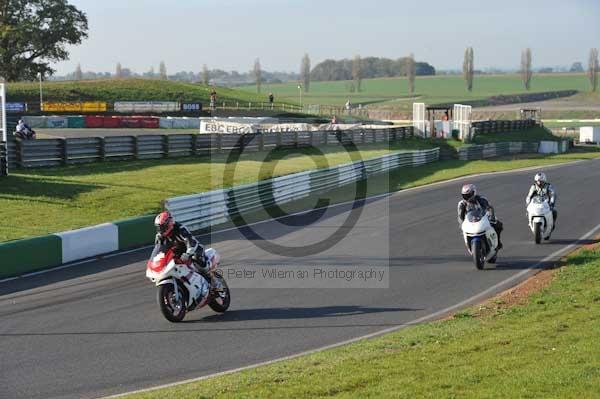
point(220, 297)
point(172, 307)
point(537, 231)
point(478, 255)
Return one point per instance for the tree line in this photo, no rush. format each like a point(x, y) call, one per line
point(27, 49)
point(370, 67)
point(526, 71)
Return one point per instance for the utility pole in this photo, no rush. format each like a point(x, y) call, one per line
point(41, 95)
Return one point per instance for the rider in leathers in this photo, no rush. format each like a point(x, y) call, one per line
point(472, 201)
point(542, 188)
point(177, 236)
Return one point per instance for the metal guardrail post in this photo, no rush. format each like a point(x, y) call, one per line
point(136, 148)
point(219, 143)
point(102, 142)
point(296, 139)
point(165, 145)
point(261, 142)
point(3, 159)
point(311, 136)
point(194, 144)
point(279, 141)
point(63, 151)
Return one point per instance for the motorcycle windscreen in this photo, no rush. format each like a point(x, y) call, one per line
point(161, 256)
point(475, 215)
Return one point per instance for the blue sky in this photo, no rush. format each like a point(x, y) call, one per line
point(230, 34)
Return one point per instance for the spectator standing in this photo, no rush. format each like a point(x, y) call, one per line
point(213, 100)
point(271, 99)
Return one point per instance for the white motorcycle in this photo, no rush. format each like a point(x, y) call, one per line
point(181, 288)
point(540, 218)
point(480, 237)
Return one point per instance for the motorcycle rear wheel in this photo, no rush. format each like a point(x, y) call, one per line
point(173, 309)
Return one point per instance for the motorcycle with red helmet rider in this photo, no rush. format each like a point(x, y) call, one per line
point(174, 235)
point(186, 275)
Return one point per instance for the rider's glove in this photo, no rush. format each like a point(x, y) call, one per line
point(185, 257)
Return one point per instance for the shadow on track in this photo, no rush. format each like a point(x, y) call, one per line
point(296, 313)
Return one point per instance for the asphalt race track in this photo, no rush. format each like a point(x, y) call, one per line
point(95, 329)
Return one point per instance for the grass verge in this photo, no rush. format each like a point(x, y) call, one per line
point(126, 90)
point(532, 134)
point(43, 201)
point(546, 347)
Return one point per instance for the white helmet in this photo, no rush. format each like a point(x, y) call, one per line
point(468, 192)
point(540, 179)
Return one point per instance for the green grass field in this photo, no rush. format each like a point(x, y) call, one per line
point(429, 89)
point(532, 134)
point(570, 124)
point(126, 90)
point(50, 200)
point(547, 348)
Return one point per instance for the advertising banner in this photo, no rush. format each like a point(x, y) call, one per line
point(15, 107)
point(191, 107)
point(216, 126)
point(89, 106)
point(146, 106)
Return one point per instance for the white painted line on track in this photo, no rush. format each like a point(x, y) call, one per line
point(374, 197)
point(432, 316)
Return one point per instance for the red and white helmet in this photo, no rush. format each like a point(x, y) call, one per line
point(164, 223)
point(469, 191)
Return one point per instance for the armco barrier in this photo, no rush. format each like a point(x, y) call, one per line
point(198, 211)
point(3, 159)
point(53, 152)
point(215, 207)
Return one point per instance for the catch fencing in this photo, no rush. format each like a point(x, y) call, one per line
point(500, 126)
point(207, 209)
point(54, 152)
